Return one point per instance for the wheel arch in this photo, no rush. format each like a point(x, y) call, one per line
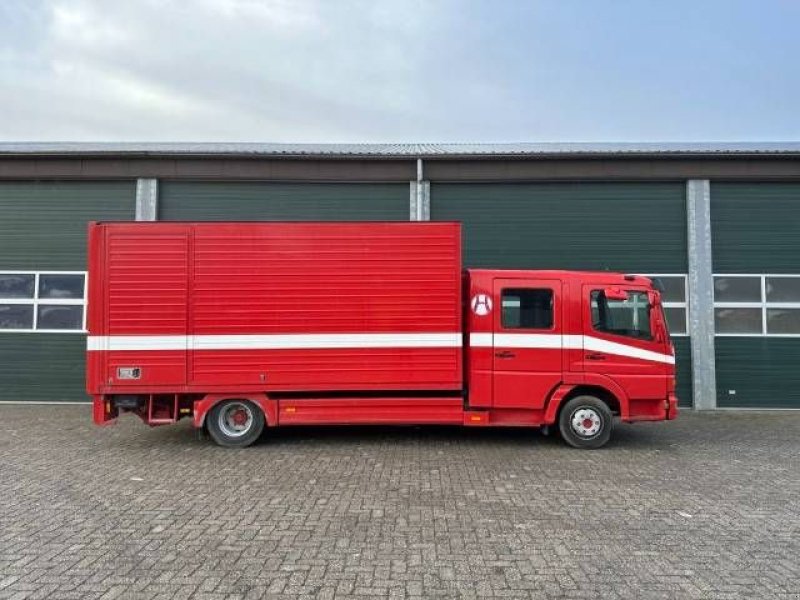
point(614, 398)
point(204, 405)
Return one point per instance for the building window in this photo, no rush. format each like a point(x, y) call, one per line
point(45, 301)
point(673, 299)
point(527, 309)
point(757, 305)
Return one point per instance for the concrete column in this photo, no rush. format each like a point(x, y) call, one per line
point(420, 196)
point(701, 293)
point(147, 199)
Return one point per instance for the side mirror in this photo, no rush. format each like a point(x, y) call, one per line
point(613, 293)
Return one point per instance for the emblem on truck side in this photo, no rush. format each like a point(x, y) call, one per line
point(481, 304)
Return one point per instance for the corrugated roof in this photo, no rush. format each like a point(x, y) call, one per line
point(404, 150)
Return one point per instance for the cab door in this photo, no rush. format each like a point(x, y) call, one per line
point(622, 340)
point(527, 362)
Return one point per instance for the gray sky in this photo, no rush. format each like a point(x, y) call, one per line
point(399, 70)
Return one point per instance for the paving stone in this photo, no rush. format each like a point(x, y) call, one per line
point(704, 507)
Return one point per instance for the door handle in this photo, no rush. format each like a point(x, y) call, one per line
point(505, 354)
point(596, 356)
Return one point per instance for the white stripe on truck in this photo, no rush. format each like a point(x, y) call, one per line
point(330, 341)
point(291, 341)
point(555, 341)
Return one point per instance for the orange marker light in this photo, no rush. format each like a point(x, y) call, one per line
point(290, 409)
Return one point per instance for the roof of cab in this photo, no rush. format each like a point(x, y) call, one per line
point(605, 277)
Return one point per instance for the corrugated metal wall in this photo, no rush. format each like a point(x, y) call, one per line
point(756, 229)
point(42, 367)
point(629, 227)
point(758, 372)
point(633, 227)
point(262, 201)
point(43, 224)
point(683, 369)
point(43, 227)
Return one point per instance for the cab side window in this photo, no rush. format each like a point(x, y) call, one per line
point(630, 317)
point(526, 308)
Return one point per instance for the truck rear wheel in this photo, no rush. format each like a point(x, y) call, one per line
point(235, 423)
point(585, 422)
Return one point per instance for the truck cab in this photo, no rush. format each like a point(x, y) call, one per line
point(568, 348)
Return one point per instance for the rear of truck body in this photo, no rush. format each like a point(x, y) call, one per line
point(310, 323)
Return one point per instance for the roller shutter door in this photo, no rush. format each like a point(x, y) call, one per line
point(628, 227)
point(43, 228)
point(754, 227)
point(756, 230)
point(258, 201)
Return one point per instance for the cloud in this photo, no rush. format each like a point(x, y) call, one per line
point(404, 70)
point(234, 69)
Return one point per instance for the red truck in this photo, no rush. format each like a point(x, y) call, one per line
point(242, 326)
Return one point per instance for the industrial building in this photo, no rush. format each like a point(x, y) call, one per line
point(719, 223)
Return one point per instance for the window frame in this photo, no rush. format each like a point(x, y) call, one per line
point(684, 305)
point(36, 301)
point(764, 305)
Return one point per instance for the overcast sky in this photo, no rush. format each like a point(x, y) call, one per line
point(399, 70)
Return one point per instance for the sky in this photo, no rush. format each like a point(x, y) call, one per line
point(400, 70)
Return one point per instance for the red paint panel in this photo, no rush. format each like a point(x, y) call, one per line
point(640, 379)
point(648, 410)
point(206, 279)
point(157, 367)
point(326, 278)
point(354, 411)
point(147, 281)
point(525, 377)
point(146, 293)
point(328, 369)
point(478, 360)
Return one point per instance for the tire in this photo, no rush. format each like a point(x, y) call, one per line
point(585, 422)
point(235, 423)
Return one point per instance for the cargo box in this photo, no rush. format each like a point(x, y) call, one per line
point(199, 307)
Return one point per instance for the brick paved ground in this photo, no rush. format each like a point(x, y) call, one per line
point(705, 507)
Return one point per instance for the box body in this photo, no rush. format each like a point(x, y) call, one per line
point(291, 307)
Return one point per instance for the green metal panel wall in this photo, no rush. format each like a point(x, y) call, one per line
point(43, 224)
point(762, 371)
point(755, 227)
point(43, 227)
point(633, 227)
point(258, 201)
point(43, 367)
point(683, 369)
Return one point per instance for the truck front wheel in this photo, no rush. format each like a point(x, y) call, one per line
point(585, 422)
point(235, 423)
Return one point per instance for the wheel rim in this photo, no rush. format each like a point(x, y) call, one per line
point(236, 419)
point(586, 422)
